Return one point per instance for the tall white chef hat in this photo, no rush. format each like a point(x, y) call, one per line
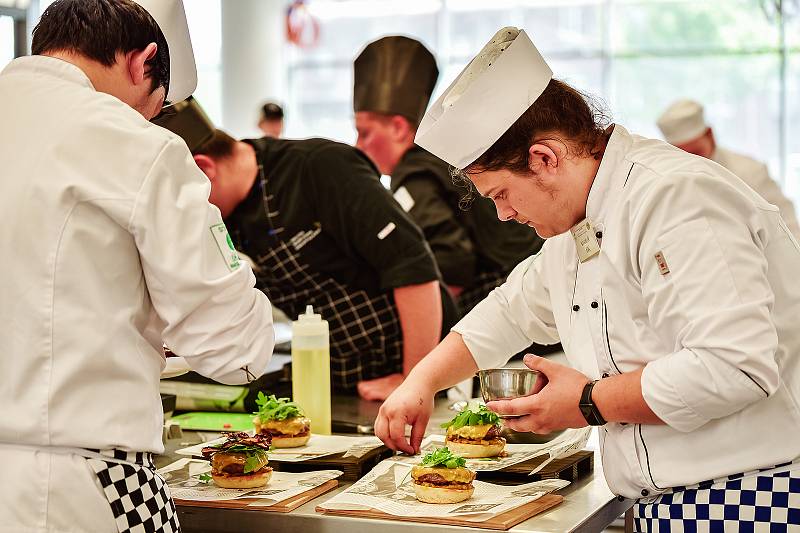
point(489, 95)
point(682, 121)
point(171, 18)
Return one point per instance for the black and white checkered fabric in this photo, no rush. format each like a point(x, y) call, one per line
point(760, 501)
point(365, 337)
point(138, 496)
point(484, 283)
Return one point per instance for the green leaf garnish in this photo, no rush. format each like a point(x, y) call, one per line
point(468, 417)
point(272, 408)
point(205, 477)
point(443, 457)
point(255, 460)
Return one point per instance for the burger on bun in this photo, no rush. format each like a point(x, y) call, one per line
point(240, 462)
point(442, 478)
point(475, 434)
point(282, 420)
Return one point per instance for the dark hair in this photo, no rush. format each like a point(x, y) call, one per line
point(219, 146)
point(99, 29)
point(271, 111)
point(574, 118)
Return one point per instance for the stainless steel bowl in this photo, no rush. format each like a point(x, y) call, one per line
point(506, 383)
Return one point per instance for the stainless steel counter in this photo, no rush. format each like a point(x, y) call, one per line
point(589, 505)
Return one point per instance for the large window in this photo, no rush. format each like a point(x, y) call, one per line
point(739, 57)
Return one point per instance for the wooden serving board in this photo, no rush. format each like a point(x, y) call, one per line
point(570, 468)
point(354, 468)
point(285, 506)
point(500, 522)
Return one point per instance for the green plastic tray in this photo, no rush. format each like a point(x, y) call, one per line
point(200, 421)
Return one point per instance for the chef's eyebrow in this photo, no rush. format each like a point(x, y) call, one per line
point(490, 192)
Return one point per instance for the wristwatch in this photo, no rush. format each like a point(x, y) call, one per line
point(588, 408)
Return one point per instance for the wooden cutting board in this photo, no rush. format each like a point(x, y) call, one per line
point(354, 468)
point(570, 468)
point(285, 506)
point(500, 522)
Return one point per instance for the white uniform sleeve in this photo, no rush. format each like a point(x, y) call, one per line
point(511, 317)
point(713, 304)
point(213, 316)
point(769, 189)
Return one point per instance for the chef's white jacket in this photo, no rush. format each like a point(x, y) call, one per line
point(107, 247)
point(756, 175)
point(717, 334)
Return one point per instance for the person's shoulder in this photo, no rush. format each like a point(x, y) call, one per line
point(738, 163)
point(419, 163)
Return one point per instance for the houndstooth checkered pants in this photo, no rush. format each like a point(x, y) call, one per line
point(760, 501)
point(138, 496)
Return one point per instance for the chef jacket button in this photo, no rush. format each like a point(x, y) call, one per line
point(594, 305)
point(576, 308)
point(605, 374)
point(645, 492)
point(620, 498)
point(599, 234)
point(623, 424)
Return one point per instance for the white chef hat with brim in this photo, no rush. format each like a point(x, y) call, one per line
point(487, 97)
point(171, 18)
point(682, 121)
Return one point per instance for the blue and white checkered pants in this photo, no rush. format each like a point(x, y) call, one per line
point(759, 501)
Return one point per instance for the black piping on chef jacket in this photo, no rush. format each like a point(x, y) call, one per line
point(323, 231)
point(473, 248)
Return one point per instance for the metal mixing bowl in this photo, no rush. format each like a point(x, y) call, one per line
point(506, 383)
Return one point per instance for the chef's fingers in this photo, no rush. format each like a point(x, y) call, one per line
point(540, 364)
point(541, 381)
point(397, 434)
point(382, 430)
point(418, 432)
point(524, 424)
point(519, 406)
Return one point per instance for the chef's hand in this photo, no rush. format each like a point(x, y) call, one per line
point(553, 407)
point(379, 389)
point(410, 405)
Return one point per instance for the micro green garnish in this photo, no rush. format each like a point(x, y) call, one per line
point(255, 460)
point(272, 408)
point(205, 477)
point(443, 457)
point(468, 417)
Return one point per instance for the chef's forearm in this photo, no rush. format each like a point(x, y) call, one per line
point(448, 364)
point(419, 308)
point(619, 399)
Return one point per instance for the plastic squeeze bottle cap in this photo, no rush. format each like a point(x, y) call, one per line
point(310, 323)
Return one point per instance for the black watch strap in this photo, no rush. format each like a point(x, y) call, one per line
point(588, 408)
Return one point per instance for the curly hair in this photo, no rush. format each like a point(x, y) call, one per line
point(561, 112)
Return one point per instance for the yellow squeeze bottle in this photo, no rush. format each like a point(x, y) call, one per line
point(311, 369)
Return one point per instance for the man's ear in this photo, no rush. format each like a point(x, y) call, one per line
point(542, 159)
point(207, 165)
point(401, 128)
point(136, 62)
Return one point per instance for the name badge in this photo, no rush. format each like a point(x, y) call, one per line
point(585, 240)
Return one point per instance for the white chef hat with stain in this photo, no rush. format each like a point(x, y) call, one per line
point(486, 98)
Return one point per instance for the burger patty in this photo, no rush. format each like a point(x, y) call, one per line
point(238, 470)
point(444, 485)
point(484, 441)
point(274, 433)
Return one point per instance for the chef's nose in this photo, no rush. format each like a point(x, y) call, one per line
point(504, 211)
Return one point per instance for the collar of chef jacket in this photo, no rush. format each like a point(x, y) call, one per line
point(49, 66)
point(602, 192)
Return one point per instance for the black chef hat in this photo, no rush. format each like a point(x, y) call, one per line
point(394, 75)
point(188, 120)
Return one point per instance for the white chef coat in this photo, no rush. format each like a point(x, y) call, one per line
point(756, 175)
point(107, 248)
point(717, 335)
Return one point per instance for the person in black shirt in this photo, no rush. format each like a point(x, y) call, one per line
point(475, 251)
point(320, 229)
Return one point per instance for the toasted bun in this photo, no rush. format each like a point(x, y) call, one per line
point(289, 442)
point(441, 494)
point(249, 481)
point(476, 451)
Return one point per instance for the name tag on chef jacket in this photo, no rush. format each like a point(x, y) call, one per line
point(585, 240)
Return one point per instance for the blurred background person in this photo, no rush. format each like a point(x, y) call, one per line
point(271, 120)
point(394, 79)
point(683, 124)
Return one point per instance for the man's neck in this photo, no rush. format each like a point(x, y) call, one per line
point(104, 79)
point(244, 168)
